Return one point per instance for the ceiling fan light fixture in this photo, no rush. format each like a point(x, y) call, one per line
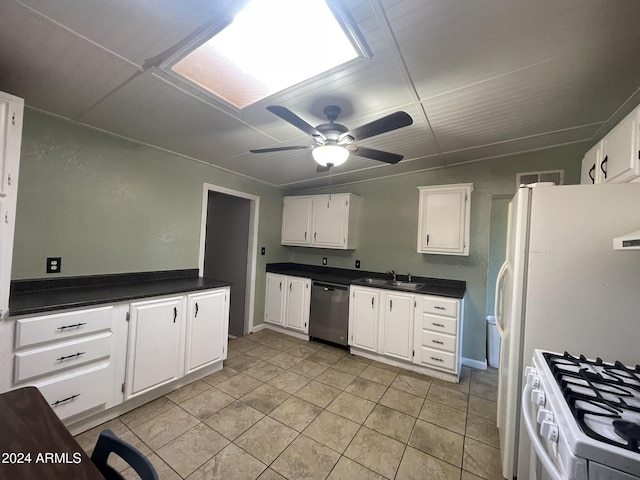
point(335, 155)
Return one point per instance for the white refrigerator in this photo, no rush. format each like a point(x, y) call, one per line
point(564, 288)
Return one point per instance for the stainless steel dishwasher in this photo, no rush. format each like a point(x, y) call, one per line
point(329, 318)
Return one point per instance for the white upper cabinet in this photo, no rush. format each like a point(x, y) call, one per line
point(11, 112)
point(616, 158)
point(321, 221)
point(444, 219)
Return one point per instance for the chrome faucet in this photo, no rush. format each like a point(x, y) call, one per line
point(409, 277)
point(393, 274)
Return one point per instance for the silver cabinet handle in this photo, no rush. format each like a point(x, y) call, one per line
point(196, 310)
point(437, 324)
point(372, 301)
point(436, 359)
point(438, 307)
point(437, 342)
point(58, 402)
point(390, 305)
point(75, 325)
point(65, 357)
point(290, 285)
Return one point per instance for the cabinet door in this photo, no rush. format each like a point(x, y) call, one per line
point(590, 172)
point(444, 220)
point(397, 322)
point(296, 221)
point(329, 221)
point(156, 341)
point(364, 310)
point(205, 338)
point(297, 304)
point(620, 162)
point(274, 299)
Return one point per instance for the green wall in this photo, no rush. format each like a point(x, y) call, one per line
point(389, 227)
point(108, 205)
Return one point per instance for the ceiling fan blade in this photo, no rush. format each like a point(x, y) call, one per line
point(382, 125)
point(288, 116)
point(326, 168)
point(278, 149)
point(376, 154)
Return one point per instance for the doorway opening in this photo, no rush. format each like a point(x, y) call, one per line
point(228, 242)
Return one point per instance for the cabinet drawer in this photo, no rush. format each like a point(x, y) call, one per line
point(440, 306)
point(439, 324)
point(61, 356)
point(439, 341)
point(437, 358)
point(77, 393)
point(46, 328)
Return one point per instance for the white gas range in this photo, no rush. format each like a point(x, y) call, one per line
point(582, 417)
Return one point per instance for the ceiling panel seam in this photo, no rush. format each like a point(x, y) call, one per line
point(78, 35)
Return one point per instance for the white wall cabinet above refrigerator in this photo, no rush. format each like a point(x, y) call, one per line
point(444, 219)
point(321, 221)
point(615, 158)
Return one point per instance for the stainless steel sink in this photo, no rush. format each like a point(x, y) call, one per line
point(397, 284)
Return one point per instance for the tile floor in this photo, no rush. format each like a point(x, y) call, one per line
point(282, 408)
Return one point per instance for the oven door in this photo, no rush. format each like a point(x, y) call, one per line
point(544, 463)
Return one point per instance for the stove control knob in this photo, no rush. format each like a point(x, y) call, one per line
point(533, 380)
point(544, 415)
point(538, 397)
point(549, 430)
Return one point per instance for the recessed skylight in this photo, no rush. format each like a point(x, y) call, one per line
point(270, 46)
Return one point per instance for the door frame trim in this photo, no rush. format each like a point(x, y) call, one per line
point(252, 249)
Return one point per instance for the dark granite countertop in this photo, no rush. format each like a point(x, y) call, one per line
point(342, 276)
point(45, 295)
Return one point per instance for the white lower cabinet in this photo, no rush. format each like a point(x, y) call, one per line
point(364, 314)
point(423, 330)
point(156, 344)
point(207, 329)
point(287, 302)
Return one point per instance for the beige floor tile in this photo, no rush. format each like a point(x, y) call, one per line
point(437, 442)
point(266, 439)
point(417, 465)
point(483, 430)
point(308, 368)
point(132, 439)
point(242, 362)
point(302, 350)
point(164, 471)
point(470, 476)
point(350, 365)
point(349, 406)
point(289, 382)
point(296, 413)
point(305, 458)
point(242, 345)
point(347, 469)
point(402, 401)
point(489, 376)
point(386, 366)
point(366, 389)
point(482, 460)
point(285, 360)
point(444, 416)
point(484, 390)
point(378, 375)
point(207, 403)
point(269, 474)
point(318, 393)
point(340, 352)
point(264, 372)
point(233, 420)
point(263, 352)
point(220, 376)
point(239, 385)
point(483, 407)
point(232, 463)
point(335, 378)
point(277, 343)
point(447, 396)
point(412, 385)
point(192, 449)
point(332, 430)
point(391, 423)
point(164, 427)
point(88, 439)
point(188, 391)
point(325, 357)
point(376, 452)
point(265, 398)
point(461, 386)
point(146, 412)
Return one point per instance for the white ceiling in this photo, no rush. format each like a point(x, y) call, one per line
point(481, 78)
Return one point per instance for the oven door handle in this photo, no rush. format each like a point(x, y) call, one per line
point(548, 464)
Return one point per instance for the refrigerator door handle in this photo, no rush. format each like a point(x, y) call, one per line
point(497, 306)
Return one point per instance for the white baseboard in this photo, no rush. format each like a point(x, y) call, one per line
point(257, 328)
point(469, 362)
